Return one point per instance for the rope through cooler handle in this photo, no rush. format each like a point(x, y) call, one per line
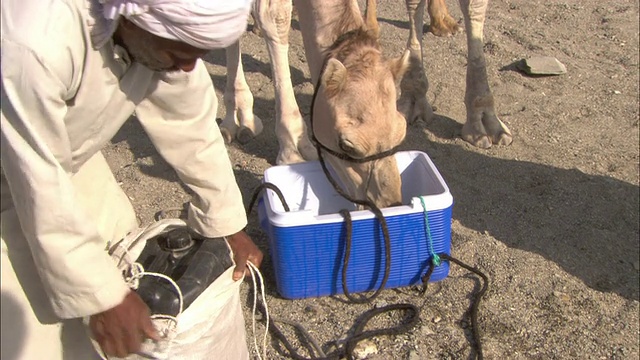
point(436, 260)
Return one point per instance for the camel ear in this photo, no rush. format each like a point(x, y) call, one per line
point(399, 66)
point(334, 77)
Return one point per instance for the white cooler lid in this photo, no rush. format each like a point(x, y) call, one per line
point(312, 199)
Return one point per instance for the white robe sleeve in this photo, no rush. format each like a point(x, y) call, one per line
point(78, 275)
point(179, 115)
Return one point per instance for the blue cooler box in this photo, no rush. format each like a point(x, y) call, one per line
point(307, 244)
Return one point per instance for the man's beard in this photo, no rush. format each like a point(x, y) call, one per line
point(145, 58)
point(141, 52)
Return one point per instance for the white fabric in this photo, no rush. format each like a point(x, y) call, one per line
point(205, 24)
point(30, 328)
point(63, 100)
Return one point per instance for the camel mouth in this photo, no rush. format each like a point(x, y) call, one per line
point(364, 207)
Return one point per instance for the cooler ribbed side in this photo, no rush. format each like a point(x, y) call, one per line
point(310, 268)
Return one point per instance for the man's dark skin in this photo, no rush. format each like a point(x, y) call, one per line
point(121, 330)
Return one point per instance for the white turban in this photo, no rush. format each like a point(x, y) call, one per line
point(205, 24)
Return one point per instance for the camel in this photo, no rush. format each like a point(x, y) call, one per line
point(369, 124)
point(354, 116)
point(345, 121)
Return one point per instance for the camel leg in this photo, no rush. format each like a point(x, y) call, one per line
point(371, 19)
point(442, 24)
point(274, 18)
point(413, 102)
point(483, 127)
point(239, 121)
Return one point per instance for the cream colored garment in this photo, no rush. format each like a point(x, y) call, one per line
point(62, 101)
point(30, 328)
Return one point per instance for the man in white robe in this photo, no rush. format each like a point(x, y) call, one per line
point(72, 72)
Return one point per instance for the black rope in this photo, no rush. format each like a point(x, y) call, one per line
point(360, 334)
point(258, 191)
point(347, 253)
point(410, 320)
point(312, 342)
point(472, 313)
point(346, 157)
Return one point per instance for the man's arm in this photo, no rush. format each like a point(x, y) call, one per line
point(75, 270)
point(179, 116)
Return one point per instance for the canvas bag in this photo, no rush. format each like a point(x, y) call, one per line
point(212, 327)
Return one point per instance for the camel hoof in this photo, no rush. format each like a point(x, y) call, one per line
point(503, 139)
point(476, 138)
point(500, 133)
point(226, 135)
point(245, 135)
point(416, 110)
point(490, 131)
point(445, 27)
point(482, 142)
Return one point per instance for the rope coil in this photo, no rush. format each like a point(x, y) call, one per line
point(359, 333)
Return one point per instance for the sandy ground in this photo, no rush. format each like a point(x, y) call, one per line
point(552, 219)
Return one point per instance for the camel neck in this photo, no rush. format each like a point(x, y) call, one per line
point(322, 22)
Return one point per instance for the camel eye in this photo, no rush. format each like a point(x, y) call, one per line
point(349, 148)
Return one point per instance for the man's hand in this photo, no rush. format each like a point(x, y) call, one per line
point(243, 249)
point(121, 330)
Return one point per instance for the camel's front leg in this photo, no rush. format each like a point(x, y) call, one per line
point(483, 127)
point(274, 18)
point(413, 102)
point(239, 121)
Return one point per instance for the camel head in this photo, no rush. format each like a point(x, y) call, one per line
point(355, 114)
